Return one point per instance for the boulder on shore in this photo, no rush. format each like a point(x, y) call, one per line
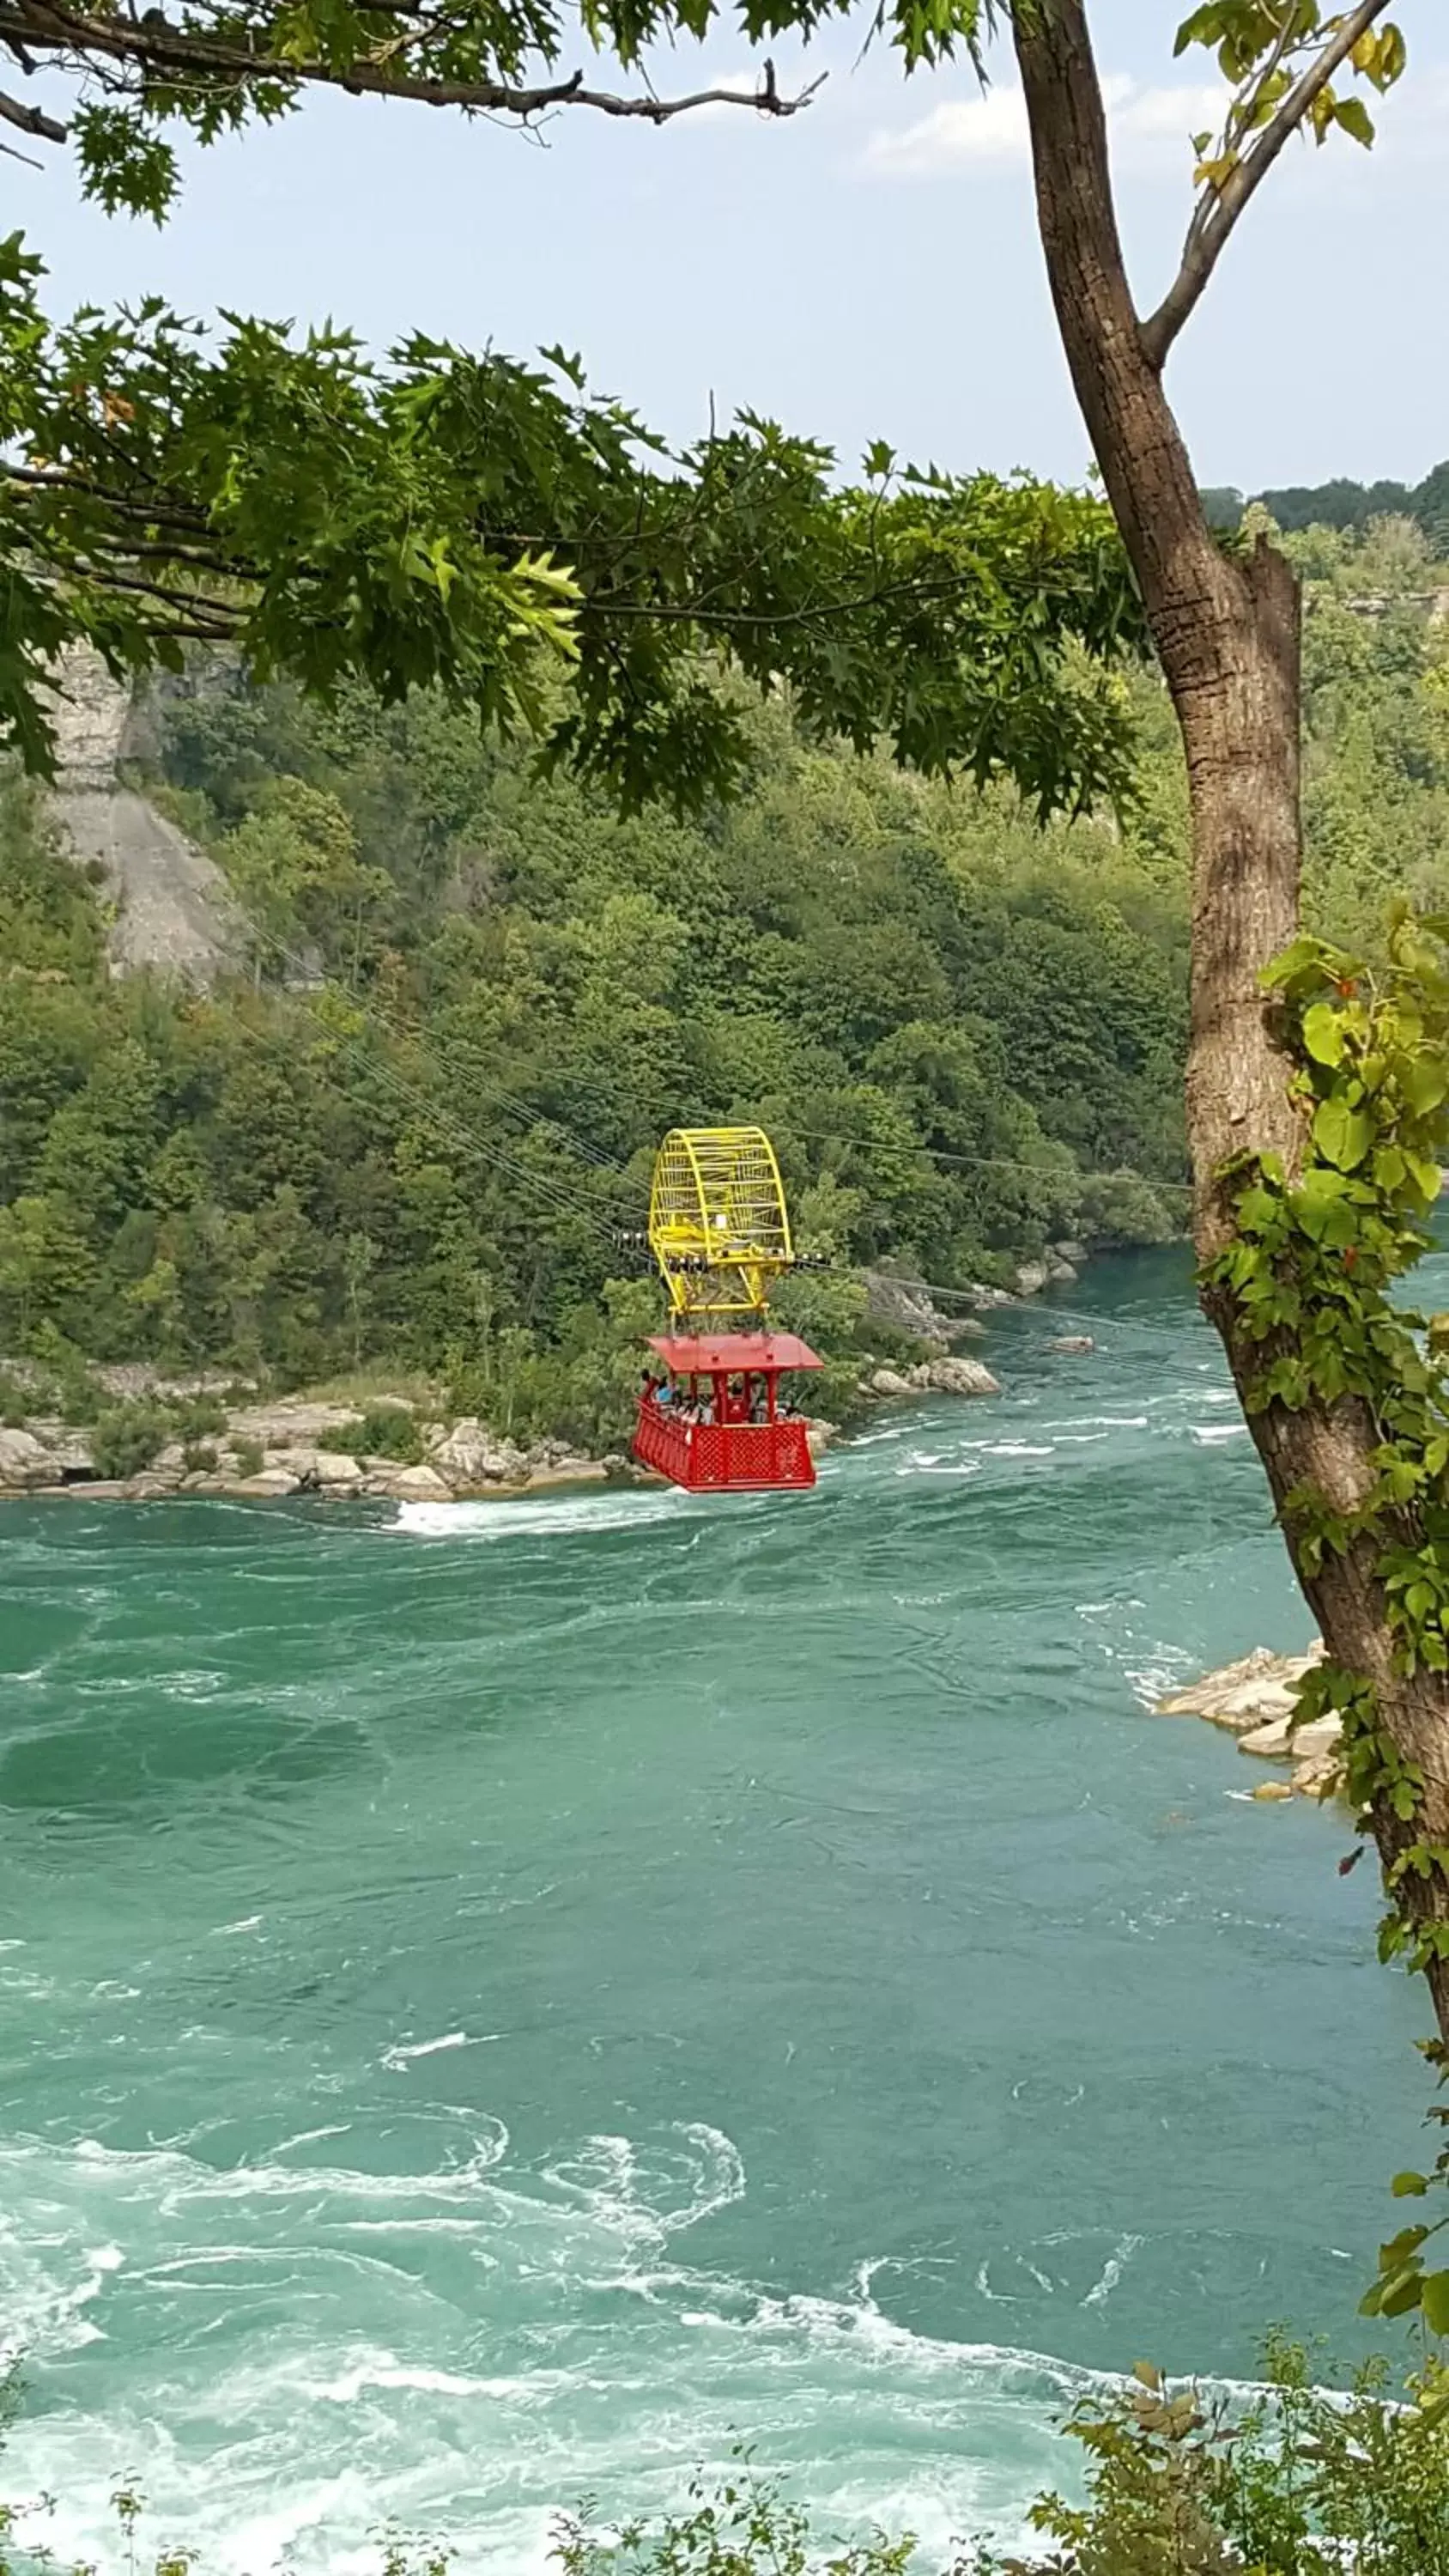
point(948, 1375)
point(471, 1455)
point(1245, 1695)
point(412, 1484)
point(1256, 1699)
point(25, 1462)
point(908, 1306)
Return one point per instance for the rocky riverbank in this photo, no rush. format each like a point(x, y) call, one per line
point(270, 1451)
point(148, 1436)
point(1255, 1699)
point(157, 1437)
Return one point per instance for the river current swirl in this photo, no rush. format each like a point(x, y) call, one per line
point(496, 2002)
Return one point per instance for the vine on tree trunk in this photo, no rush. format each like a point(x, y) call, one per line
point(1306, 1280)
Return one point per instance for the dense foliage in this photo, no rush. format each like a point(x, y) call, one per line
point(421, 1124)
point(486, 528)
point(1344, 504)
point(417, 1126)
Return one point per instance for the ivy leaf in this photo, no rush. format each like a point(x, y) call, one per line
point(1342, 1135)
point(1323, 1033)
point(1355, 119)
point(1405, 2291)
point(1424, 1081)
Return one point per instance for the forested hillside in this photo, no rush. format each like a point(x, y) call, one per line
point(1344, 505)
point(419, 1126)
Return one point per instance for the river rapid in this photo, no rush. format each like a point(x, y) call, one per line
point(497, 2001)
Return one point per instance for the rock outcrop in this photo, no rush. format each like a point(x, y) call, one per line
point(470, 1457)
point(1255, 1699)
point(1054, 1271)
point(25, 1462)
point(907, 1306)
point(948, 1375)
point(173, 908)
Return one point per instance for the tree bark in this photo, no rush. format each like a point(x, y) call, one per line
point(1227, 635)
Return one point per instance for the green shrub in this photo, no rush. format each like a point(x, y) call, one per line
point(1303, 2482)
point(80, 1398)
point(384, 1431)
point(199, 1458)
point(127, 1437)
point(249, 1457)
point(17, 1401)
point(196, 1417)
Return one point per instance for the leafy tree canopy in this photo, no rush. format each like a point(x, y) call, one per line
point(492, 528)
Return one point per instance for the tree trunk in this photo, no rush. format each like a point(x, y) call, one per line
point(1227, 635)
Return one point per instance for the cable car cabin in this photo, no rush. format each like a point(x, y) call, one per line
point(715, 1421)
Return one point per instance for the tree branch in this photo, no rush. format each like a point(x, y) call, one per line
point(1213, 223)
point(30, 120)
point(157, 45)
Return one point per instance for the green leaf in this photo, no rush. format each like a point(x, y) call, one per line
point(1434, 2300)
point(1423, 1080)
point(1323, 1033)
point(1403, 2292)
point(1342, 1135)
point(1409, 2186)
point(1355, 119)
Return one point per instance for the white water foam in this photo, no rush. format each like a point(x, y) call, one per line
point(545, 1516)
point(529, 2337)
point(400, 2056)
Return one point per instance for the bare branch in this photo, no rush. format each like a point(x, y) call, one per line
point(30, 120)
point(1215, 218)
point(157, 44)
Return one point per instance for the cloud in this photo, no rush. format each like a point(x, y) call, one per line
point(989, 131)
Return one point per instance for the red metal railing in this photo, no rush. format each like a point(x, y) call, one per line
point(706, 1456)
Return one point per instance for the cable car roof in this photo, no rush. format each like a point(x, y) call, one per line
point(702, 1354)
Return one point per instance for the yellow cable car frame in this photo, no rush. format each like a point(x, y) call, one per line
point(718, 1226)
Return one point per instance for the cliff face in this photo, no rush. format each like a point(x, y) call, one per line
point(172, 908)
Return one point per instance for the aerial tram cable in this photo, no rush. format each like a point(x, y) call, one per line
point(550, 1194)
point(564, 1202)
point(688, 1265)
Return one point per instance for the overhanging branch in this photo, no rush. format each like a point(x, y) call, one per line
point(30, 120)
point(157, 46)
point(1213, 223)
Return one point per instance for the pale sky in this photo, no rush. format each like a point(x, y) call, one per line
point(866, 269)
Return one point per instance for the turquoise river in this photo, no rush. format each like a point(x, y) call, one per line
point(497, 2001)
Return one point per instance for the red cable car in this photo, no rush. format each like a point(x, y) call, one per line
point(718, 1229)
point(715, 1420)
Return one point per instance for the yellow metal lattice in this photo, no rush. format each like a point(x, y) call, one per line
point(717, 1222)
